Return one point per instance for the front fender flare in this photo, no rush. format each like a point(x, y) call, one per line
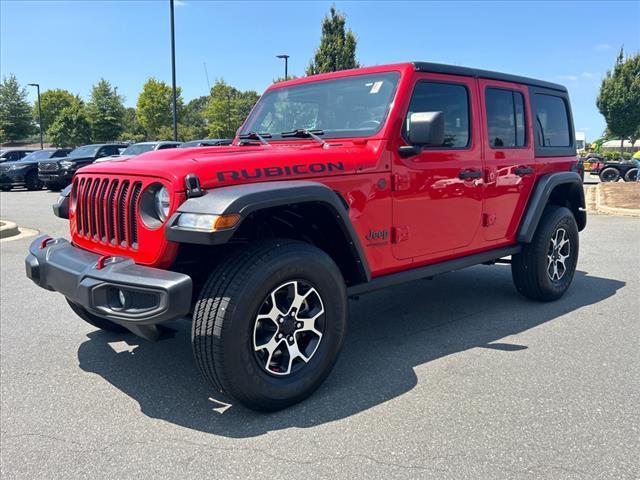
point(248, 198)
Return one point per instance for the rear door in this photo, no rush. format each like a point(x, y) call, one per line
point(437, 197)
point(510, 168)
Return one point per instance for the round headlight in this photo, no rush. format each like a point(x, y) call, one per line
point(162, 203)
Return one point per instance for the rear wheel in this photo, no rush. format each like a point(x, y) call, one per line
point(270, 322)
point(98, 322)
point(32, 182)
point(544, 269)
point(609, 174)
point(631, 175)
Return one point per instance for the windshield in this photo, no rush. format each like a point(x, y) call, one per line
point(138, 148)
point(345, 107)
point(86, 151)
point(38, 155)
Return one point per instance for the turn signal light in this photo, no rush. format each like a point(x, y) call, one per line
point(207, 222)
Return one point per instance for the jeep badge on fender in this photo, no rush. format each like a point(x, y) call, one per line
point(263, 241)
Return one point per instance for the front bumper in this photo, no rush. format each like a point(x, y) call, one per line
point(115, 288)
point(59, 177)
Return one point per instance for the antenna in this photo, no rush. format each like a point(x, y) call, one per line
point(206, 73)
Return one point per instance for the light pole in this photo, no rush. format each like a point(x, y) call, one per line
point(173, 76)
point(286, 65)
point(37, 85)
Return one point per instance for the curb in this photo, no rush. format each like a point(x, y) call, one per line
point(601, 207)
point(8, 229)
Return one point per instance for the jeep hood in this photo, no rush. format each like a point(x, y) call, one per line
point(218, 166)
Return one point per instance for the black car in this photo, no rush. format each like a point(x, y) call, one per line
point(57, 174)
point(24, 172)
point(207, 142)
point(14, 154)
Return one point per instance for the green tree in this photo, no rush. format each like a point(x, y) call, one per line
point(105, 111)
point(132, 130)
point(337, 50)
point(71, 128)
point(53, 102)
point(194, 120)
point(15, 111)
point(227, 109)
point(619, 98)
point(154, 107)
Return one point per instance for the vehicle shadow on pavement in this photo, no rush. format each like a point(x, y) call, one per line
point(390, 332)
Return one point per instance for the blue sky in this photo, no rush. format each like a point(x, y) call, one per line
point(72, 44)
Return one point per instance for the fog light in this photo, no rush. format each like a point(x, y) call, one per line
point(122, 298)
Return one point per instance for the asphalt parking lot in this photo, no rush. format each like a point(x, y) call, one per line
point(455, 377)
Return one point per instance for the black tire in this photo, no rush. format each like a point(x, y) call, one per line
point(609, 174)
point(225, 322)
point(98, 322)
point(32, 182)
point(631, 175)
point(530, 269)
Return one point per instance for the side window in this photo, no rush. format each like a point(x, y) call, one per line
point(552, 121)
point(505, 118)
point(167, 145)
point(450, 99)
point(59, 153)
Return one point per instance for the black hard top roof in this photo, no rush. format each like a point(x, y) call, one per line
point(476, 73)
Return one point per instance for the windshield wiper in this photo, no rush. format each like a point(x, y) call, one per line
point(255, 136)
point(304, 133)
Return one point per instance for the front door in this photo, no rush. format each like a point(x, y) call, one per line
point(437, 198)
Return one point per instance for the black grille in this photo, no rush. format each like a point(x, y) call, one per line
point(107, 210)
point(48, 166)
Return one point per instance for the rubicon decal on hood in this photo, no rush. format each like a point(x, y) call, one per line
point(284, 171)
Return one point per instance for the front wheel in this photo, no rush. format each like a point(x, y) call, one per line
point(544, 269)
point(609, 174)
point(32, 182)
point(270, 322)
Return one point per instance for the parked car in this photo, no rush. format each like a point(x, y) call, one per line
point(139, 148)
point(57, 173)
point(24, 172)
point(377, 176)
point(14, 154)
point(207, 142)
point(609, 171)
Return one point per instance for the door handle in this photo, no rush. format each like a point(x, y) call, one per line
point(523, 171)
point(469, 174)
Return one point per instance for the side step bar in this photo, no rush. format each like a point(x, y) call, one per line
point(431, 270)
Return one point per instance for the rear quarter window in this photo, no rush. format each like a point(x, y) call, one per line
point(552, 122)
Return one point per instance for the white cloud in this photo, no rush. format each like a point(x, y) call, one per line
point(588, 74)
point(571, 78)
point(601, 47)
point(179, 3)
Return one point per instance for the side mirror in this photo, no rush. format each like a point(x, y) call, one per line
point(426, 128)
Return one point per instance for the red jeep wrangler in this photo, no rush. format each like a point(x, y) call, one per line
point(336, 185)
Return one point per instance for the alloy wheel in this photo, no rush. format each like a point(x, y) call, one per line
point(288, 328)
point(557, 254)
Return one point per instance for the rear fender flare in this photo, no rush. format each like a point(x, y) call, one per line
point(540, 197)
